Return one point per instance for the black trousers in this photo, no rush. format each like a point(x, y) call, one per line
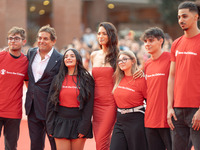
point(129, 132)
point(11, 132)
point(37, 132)
point(159, 138)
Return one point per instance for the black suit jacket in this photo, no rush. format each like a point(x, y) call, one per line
point(37, 92)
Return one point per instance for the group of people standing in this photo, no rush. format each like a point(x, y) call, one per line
point(69, 104)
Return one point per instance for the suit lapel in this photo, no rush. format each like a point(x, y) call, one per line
point(32, 56)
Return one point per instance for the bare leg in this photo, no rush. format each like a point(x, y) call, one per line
point(78, 144)
point(63, 144)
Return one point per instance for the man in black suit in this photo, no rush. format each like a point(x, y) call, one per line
point(44, 63)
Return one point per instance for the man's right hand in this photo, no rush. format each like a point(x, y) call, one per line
point(171, 114)
point(6, 49)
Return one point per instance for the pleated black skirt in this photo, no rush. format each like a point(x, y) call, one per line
point(67, 122)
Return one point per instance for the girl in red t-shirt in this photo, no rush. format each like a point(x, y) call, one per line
point(129, 94)
point(70, 104)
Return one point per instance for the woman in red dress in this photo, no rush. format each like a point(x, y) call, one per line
point(104, 64)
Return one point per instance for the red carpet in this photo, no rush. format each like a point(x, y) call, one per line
point(24, 141)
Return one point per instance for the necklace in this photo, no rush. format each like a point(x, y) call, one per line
point(129, 81)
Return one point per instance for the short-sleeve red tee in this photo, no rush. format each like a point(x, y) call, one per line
point(157, 72)
point(186, 53)
point(13, 72)
point(130, 93)
point(69, 92)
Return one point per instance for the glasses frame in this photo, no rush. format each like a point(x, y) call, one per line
point(124, 60)
point(16, 39)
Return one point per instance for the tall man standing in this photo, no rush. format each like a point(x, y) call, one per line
point(184, 80)
point(44, 63)
point(13, 72)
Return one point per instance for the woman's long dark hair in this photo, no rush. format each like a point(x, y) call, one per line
point(112, 44)
point(84, 80)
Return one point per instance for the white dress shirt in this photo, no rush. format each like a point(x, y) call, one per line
point(39, 65)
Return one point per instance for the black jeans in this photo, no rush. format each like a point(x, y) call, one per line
point(158, 138)
point(129, 132)
point(183, 130)
point(11, 132)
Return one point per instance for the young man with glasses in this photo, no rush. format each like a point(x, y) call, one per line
point(13, 72)
point(157, 72)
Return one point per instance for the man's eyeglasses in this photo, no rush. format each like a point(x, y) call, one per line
point(16, 39)
point(124, 60)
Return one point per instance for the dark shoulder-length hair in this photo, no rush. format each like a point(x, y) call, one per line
point(84, 80)
point(112, 44)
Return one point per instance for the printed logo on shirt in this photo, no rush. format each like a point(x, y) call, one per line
point(184, 53)
point(155, 75)
point(3, 72)
point(69, 87)
point(126, 88)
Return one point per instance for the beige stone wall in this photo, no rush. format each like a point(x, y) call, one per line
point(13, 13)
point(66, 21)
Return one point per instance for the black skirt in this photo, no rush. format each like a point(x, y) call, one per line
point(67, 122)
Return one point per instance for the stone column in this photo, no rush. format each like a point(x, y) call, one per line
point(94, 12)
point(13, 13)
point(66, 21)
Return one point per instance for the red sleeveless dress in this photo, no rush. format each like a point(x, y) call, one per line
point(104, 114)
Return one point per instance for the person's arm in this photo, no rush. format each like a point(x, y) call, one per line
point(170, 94)
point(92, 57)
point(85, 123)
point(50, 111)
point(26, 83)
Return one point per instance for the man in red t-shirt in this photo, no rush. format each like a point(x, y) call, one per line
point(157, 72)
point(13, 72)
point(184, 80)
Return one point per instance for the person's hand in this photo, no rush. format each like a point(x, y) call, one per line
point(171, 114)
point(138, 74)
point(6, 49)
point(80, 135)
point(196, 120)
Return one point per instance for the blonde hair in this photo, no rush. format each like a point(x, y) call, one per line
point(119, 74)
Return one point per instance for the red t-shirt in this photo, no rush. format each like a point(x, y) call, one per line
point(13, 71)
point(69, 92)
point(130, 93)
point(157, 72)
point(186, 53)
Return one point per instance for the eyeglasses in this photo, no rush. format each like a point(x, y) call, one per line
point(16, 39)
point(124, 60)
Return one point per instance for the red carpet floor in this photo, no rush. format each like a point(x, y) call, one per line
point(24, 141)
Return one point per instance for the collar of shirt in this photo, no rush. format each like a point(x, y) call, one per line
point(38, 65)
point(47, 55)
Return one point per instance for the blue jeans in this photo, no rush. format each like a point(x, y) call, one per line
point(183, 130)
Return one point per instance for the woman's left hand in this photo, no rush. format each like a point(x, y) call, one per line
point(80, 135)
